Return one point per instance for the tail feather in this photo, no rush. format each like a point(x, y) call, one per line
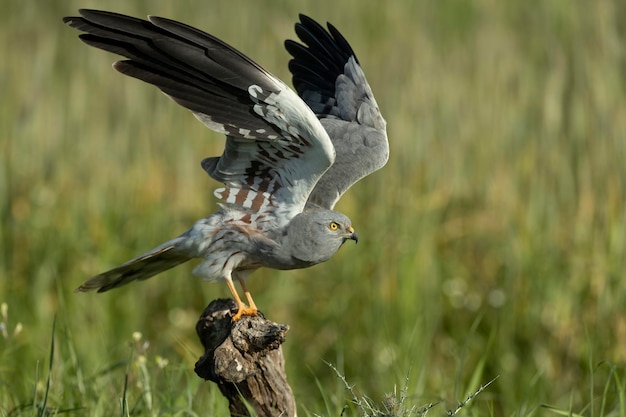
point(142, 267)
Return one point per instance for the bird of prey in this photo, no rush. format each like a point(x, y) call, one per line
point(288, 156)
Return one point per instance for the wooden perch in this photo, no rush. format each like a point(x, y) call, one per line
point(245, 360)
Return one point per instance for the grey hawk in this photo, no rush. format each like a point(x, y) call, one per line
point(288, 157)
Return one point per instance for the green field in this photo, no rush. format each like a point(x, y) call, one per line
point(493, 244)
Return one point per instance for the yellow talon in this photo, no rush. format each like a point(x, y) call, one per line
point(242, 309)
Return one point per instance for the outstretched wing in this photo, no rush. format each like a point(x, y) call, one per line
point(276, 149)
point(328, 77)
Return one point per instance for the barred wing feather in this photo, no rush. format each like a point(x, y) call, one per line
point(276, 150)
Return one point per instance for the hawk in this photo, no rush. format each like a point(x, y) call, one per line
point(288, 156)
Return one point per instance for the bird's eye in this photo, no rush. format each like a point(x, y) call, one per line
point(333, 226)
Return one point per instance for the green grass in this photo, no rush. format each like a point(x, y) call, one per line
point(493, 244)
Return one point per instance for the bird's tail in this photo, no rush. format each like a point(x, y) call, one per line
point(159, 259)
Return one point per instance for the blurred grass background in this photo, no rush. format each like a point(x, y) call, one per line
point(493, 243)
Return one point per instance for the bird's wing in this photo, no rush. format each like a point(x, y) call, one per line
point(276, 149)
point(328, 77)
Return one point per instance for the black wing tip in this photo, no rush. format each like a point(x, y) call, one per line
point(339, 40)
point(319, 56)
point(312, 35)
point(306, 19)
point(85, 13)
point(95, 13)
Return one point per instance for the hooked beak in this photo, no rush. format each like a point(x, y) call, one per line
point(353, 235)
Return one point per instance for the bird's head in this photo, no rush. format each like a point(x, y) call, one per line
point(315, 235)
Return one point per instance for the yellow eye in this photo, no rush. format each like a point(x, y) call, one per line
point(333, 226)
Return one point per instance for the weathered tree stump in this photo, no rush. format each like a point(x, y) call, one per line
point(245, 360)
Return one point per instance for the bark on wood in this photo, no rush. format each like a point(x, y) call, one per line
point(245, 360)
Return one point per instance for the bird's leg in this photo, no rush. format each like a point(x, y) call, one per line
point(246, 292)
point(242, 309)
